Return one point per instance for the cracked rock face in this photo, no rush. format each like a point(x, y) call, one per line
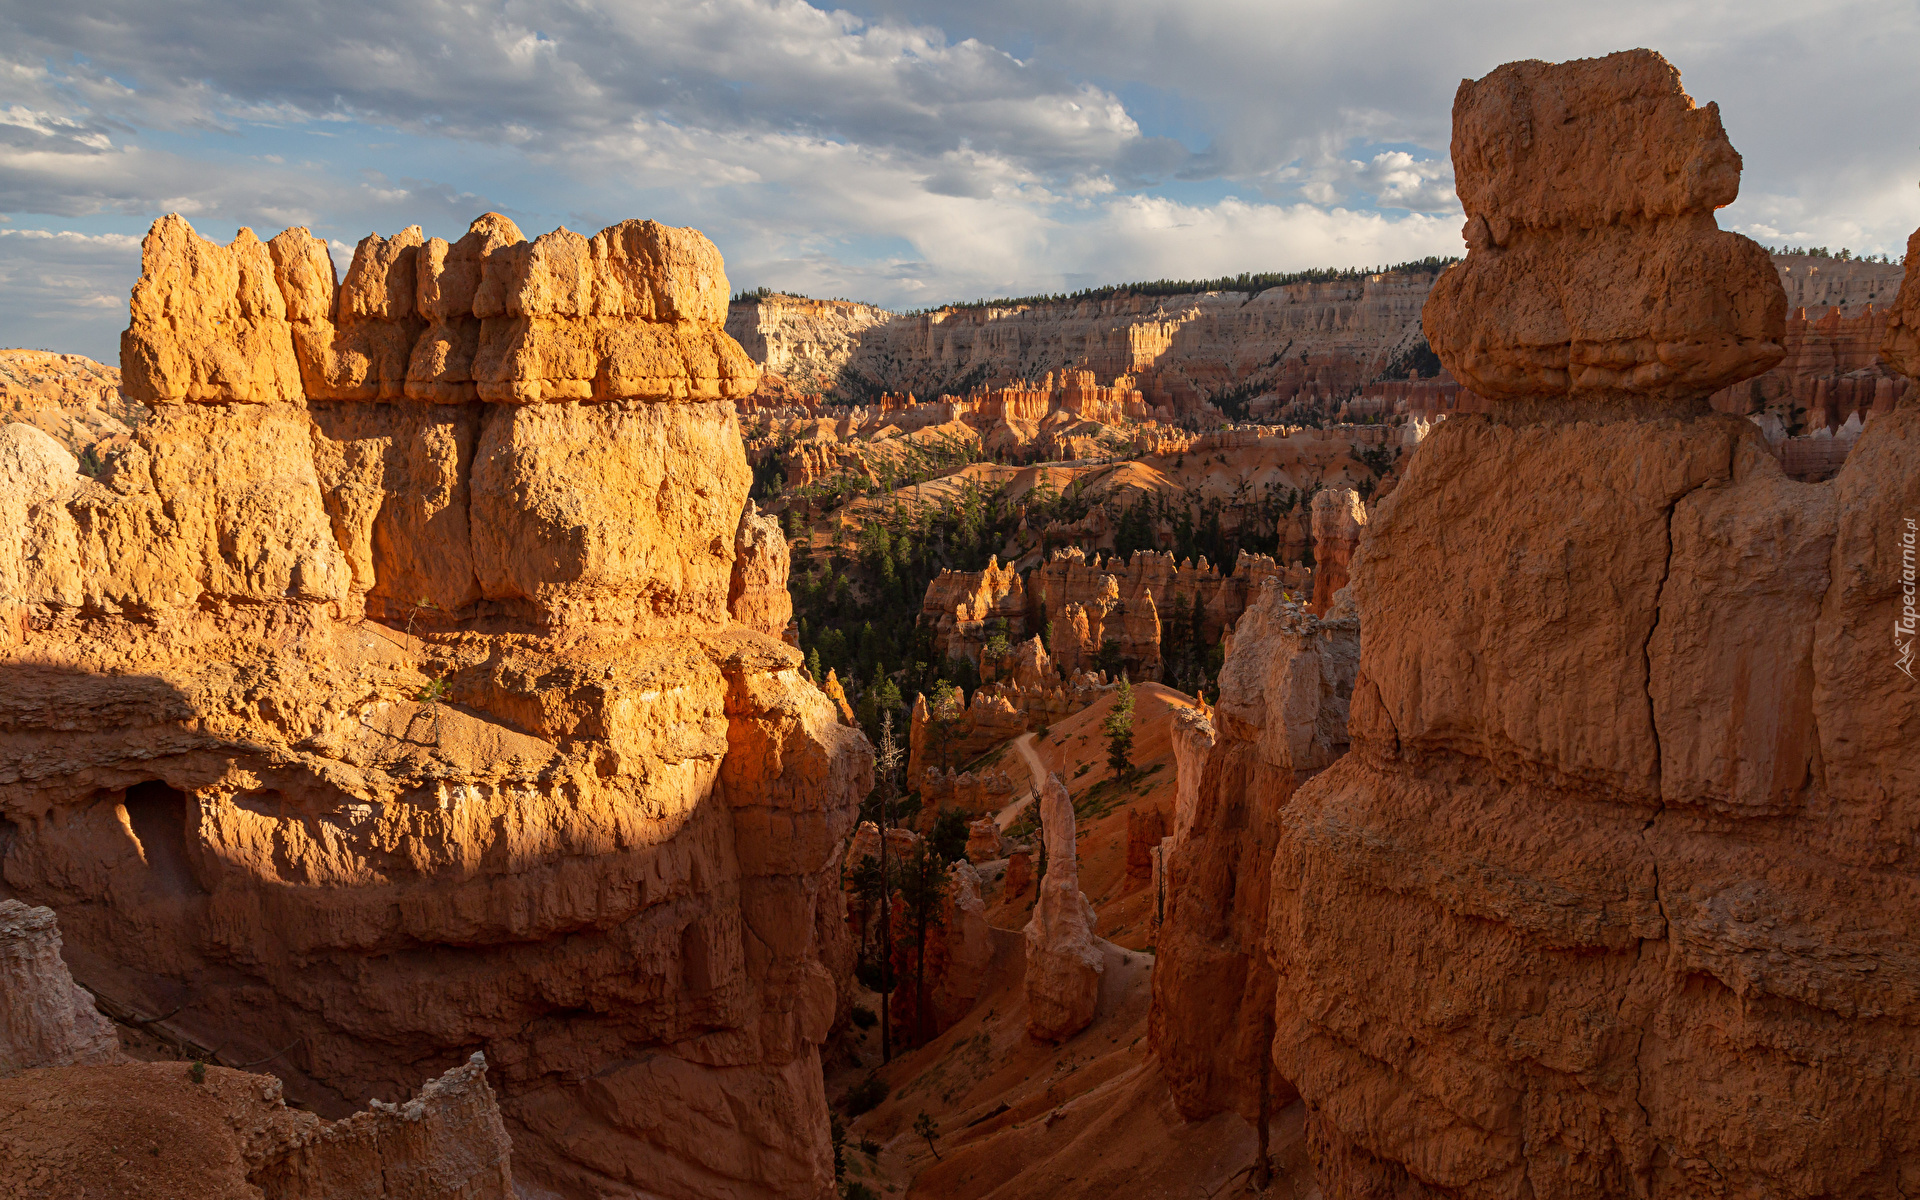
point(1616, 892)
point(406, 688)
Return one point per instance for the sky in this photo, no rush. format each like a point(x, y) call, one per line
point(899, 152)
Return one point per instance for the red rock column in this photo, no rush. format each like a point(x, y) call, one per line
point(1607, 899)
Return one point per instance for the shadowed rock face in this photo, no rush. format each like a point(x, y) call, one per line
point(45, 1021)
point(152, 1129)
point(405, 688)
point(1614, 894)
point(68, 1093)
point(1281, 719)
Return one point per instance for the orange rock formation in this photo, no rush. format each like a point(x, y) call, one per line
point(1064, 959)
point(388, 699)
point(1610, 895)
point(1281, 719)
point(1513, 323)
point(1338, 518)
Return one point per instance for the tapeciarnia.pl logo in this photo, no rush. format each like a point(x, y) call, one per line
point(1905, 622)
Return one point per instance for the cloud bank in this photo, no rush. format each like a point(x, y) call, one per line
point(901, 152)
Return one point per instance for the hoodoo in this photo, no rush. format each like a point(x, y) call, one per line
point(1614, 894)
point(1064, 962)
point(405, 689)
point(426, 771)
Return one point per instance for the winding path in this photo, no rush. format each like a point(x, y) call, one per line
point(1024, 744)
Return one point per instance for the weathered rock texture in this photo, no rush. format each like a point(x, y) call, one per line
point(1614, 894)
point(757, 596)
point(1064, 962)
point(150, 1129)
point(1663, 305)
point(447, 1141)
point(1338, 517)
point(1281, 719)
point(46, 1020)
point(386, 698)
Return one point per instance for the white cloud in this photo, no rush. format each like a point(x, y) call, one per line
point(908, 152)
point(63, 290)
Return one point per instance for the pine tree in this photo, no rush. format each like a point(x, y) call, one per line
point(1119, 730)
point(923, 885)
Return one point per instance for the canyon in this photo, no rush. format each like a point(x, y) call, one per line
point(1352, 344)
point(1416, 734)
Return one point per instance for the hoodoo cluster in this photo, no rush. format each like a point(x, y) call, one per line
point(405, 688)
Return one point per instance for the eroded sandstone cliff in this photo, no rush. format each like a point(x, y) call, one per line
point(1614, 893)
point(1282, 718)
point(406, 688)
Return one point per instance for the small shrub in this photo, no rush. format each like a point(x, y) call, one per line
point(839, 1132)
point(863, 1017)
point(870, 1148)
point(928, 1128)
point(197, 1072)
point(865, 1096)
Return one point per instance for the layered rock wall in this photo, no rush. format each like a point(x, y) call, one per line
point(1305, 341)
point(806, 342)
point(407, 687)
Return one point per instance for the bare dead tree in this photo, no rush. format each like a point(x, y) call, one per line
point(887, 762)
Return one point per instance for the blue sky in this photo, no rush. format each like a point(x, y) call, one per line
point(904, 153)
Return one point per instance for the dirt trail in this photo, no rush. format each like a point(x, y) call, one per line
point(1024, 744)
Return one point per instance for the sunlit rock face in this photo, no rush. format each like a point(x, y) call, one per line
point(408, 687)
point(1594, 267)
point(1614, 893)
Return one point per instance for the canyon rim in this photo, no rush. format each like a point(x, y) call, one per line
point(516, 718)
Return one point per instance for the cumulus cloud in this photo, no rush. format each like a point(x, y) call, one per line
point(545, 70)
point(895, 150)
